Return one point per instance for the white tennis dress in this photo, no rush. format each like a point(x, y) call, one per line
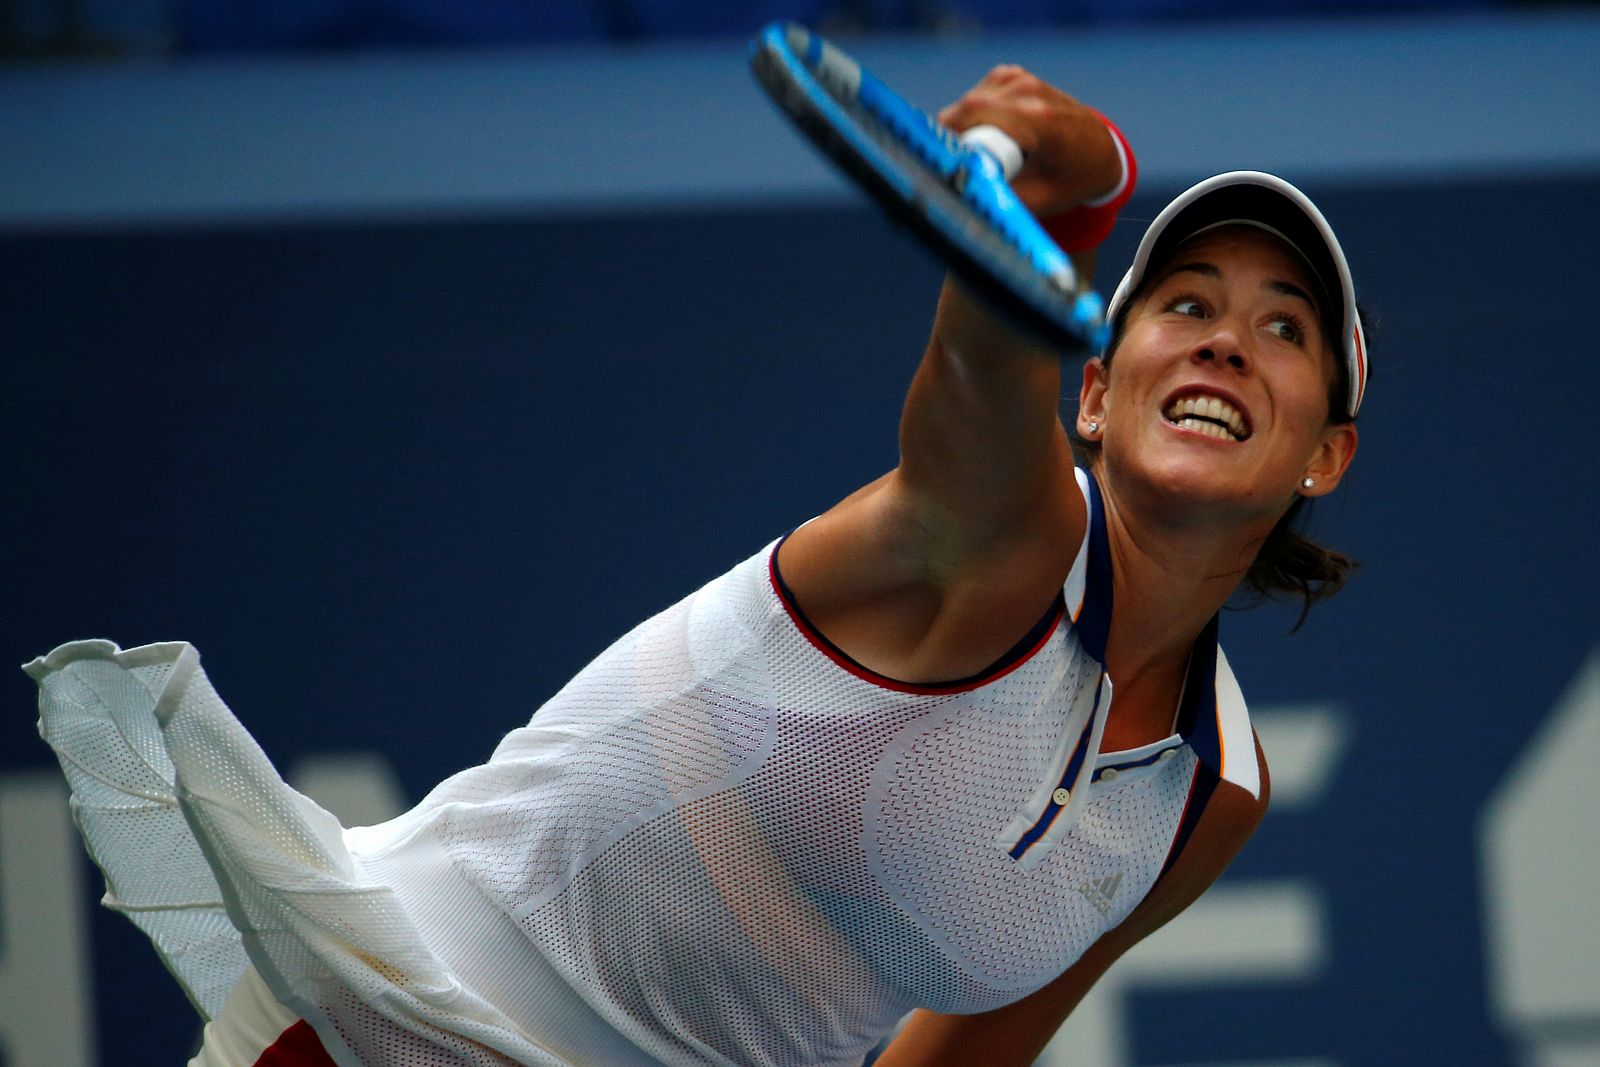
point(721, 843)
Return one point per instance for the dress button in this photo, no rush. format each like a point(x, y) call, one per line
point(1110, 774)
point(1062, 796)
point(1168, 754)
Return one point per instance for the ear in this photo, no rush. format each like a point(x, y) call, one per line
point(1331, 459)
point(1092, 399)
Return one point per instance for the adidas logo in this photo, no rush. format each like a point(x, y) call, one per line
point(1101, 890)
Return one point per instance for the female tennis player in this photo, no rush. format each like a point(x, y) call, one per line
point(951, 747)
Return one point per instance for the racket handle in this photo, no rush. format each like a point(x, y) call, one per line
point(1089, 318)
point(998, 143)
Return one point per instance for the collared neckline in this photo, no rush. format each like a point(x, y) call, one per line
point(1212, 717)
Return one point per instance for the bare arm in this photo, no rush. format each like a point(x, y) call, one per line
point(934, 570)
point(1015, 1035)
point(981, 439)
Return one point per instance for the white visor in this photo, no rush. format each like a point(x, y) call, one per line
point(1252, 198)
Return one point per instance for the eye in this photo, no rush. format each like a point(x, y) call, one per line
point(1288, 328)
point(1187, 304)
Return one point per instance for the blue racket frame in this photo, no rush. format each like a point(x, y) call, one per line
point(952, 196)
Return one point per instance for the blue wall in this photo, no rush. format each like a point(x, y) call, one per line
point(398, 478)
point(104, 27)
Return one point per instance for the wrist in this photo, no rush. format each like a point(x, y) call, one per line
point(1081, 228)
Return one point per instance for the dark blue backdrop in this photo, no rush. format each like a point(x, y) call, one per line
point(398, 481)
point(284, 25)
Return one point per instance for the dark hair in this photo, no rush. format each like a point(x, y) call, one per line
point(1288, 564)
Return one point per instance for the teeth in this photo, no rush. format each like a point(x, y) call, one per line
point(1210, 429)
point(1208, 407)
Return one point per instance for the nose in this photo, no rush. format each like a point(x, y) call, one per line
point(1222, 349)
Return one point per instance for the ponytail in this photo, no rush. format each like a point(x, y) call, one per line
point(1290, 564)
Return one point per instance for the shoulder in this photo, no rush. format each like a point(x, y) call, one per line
point(910, 590)
point(1231, 815)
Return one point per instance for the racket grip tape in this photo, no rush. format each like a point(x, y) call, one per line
point(999, 144)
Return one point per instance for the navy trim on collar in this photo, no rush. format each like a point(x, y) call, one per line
point(1197, 712)
point(1093, 624)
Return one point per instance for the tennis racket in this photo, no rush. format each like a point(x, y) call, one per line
point(950, 191)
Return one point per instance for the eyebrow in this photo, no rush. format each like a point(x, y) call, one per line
point(1282, 288)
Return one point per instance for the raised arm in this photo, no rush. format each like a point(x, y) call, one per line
point(934, 570)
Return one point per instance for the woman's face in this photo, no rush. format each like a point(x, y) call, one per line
point(1218, 394)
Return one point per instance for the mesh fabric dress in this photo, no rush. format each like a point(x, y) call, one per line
point(721, 843)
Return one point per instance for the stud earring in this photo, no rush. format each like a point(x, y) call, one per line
point(1306, 483)
point(1094, 427)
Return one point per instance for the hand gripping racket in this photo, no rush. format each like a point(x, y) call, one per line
point(950, 191)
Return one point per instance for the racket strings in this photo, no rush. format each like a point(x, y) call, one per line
point(898, 140)
point(916, 150)
point(933, 183)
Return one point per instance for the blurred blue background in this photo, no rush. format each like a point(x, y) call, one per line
point(234, 26)
point(401, 354)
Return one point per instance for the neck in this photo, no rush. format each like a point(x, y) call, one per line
point(1169, 578)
